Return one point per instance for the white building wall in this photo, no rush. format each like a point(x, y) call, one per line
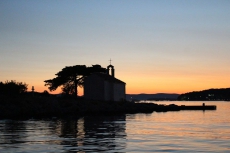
point(96, 88)
point(93, 88)
point(119, 91)
point(108, 91)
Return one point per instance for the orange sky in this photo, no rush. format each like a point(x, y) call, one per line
point(150, 83)
point(155, 46)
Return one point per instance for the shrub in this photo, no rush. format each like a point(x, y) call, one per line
point(12, 87)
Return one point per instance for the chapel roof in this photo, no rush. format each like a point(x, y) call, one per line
point(109, 78)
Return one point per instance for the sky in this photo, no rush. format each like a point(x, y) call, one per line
point(156, 46)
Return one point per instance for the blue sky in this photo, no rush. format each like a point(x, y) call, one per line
point(155, 46)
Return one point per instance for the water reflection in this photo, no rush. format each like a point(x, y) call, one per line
point(181, 131)
point(88, 134)
point(11, 132)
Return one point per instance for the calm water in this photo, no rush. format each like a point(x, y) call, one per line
point(183, 131)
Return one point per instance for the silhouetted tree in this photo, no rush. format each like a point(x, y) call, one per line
point(12, 87)
point(72, 76)
point(45, 93)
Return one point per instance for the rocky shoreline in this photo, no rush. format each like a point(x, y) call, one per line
point(49, 107)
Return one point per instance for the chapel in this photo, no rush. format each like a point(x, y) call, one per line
point(104, 86)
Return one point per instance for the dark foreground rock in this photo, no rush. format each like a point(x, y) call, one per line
point(42, 107)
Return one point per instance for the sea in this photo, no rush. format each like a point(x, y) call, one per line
point(175, 131)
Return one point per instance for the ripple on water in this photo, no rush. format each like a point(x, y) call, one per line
point(184, 131)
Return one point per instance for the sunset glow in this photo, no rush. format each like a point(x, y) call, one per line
point(155, 46)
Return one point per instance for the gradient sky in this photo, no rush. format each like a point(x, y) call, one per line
point(170, 46)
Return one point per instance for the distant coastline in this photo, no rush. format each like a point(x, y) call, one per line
point(222, 94)
point(157, 97)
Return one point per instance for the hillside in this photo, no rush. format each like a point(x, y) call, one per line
point(222, 94)
point(158, 96)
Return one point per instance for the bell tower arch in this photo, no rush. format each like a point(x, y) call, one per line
point(110, 68)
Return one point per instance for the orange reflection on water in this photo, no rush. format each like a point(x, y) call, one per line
point(197, 128)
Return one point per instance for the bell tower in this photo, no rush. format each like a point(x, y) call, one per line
point(110, 68)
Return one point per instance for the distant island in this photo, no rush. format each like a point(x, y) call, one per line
point(157, 97)
point(222, 94)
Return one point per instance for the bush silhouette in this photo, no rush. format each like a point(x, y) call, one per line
point(12, 87)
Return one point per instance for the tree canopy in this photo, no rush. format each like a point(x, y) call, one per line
point(12, 87)
point(70, 77)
